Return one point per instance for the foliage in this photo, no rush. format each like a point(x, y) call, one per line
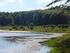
point(44, 28)
point(59, 44)
point(52, 16)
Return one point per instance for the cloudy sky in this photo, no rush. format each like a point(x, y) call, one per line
point(22, 5)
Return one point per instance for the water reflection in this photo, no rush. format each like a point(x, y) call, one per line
point(22, 44)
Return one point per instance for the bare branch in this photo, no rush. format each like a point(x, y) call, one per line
point(53, 2)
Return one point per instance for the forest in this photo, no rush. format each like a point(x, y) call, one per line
point(55, 18)
point(52, 16)
point(50, 22)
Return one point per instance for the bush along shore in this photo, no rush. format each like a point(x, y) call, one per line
point(59, 44)
point(44, 28)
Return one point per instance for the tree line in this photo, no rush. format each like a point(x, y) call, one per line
point(52, 16)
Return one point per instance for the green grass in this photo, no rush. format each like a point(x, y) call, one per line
point(59, 44)
point(55, 29)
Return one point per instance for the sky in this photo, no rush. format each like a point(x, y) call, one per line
point(23, 5)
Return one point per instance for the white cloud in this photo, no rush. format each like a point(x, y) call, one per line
point(7, 1)
point(20, 0)
point(44, 1)
point(2, 2)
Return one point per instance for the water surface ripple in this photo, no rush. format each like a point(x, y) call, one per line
point(25, 42)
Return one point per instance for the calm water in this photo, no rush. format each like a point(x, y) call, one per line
point(23, 42)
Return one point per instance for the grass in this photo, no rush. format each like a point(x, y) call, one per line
point(59, 44)
point(55, 29)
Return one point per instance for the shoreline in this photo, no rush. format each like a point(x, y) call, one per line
point(13, 31)
point(54, 34)
point(56, 43)
point(25, 31)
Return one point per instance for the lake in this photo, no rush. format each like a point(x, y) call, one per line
point(23, 42)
